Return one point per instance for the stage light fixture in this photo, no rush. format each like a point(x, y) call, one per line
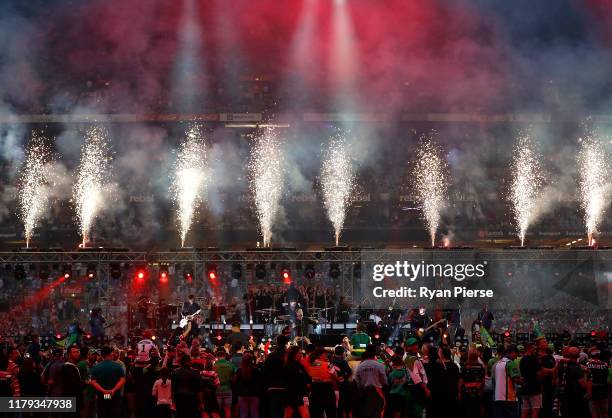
point(140, 275)
point(334, 271)
point(115, 271)
point(309, 272)
point(67, 272)
point(286, 276)
point(188, 275)
point(164, 275)
point(260, 271)
point(237, 271)
point(43, 273)
point(91, 272)
point(211, 273)
point(20, 273)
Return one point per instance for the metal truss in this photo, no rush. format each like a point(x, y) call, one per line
point(85, 257)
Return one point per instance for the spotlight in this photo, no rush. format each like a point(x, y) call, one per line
point(260, 271)
point(115, 271)
point(163, 275)
point(286, 275)
point(67, 271)
point(188, 275)
point(140, 275)
point(507, 334)
point(334, 271)
point(211, 272)
point(20, 273)
point(91, 272)
point(309, 272)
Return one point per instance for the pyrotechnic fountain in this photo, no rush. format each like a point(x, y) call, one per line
point(526, 186)
point(266, 180)
point(33, 191)
point(594, 183)
point(189, 179)
point(430, 179)
point(92, 179)
point(337, 181)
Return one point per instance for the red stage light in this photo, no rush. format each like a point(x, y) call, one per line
point(140, 276)
point(286, 276)
point(219, 338)
point(163, 277)
point(593, 333)
point(88, 336)
point(66, 275)
point(212, 275)
point(507, 334)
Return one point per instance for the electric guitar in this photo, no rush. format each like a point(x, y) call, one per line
point(188, 318)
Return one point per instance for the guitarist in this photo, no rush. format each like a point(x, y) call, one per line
point(189, 308)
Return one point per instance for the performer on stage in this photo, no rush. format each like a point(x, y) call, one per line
point(190, 307)
point(301, 325)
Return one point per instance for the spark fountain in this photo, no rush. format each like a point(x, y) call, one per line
point(430, 179)
point(594, 183)
point(526, 185)
point(189, 179)
point(266, 180)
point(33, 191)
point(92, 179)
point(337, 181)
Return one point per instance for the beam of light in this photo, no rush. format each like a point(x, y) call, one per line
point(33, 185)
point(189, 179)
point(430, 180)
point(337, 181)
point(188, 68)
point(266, 172)
point(594, 183)
point(526, 184)
point(343, 59)
point(92, 179)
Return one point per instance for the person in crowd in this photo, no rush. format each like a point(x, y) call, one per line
point(52, 376)
point(247, 387)
point(275, 379)
point(87, 360)
point(236, 335)
point(226, 371)
point(371, 380)
point(186, 389)
point(414, 365)
point(322, 397)
point(399, 379)
point(210, 383)
point(298, 380)
point(599, 373)
point(237, 351)
point(506, 377)
point(531, 392)
point(29, 378)
point(451, 382)
point(471, 385)
point(359, 341)
point(72, 386)
point(344, 373)
point(34, 349)
point(574, 388)
point(162, 392)
point(546, 363)
point(108, 378)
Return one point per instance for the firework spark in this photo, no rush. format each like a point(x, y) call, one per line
point(526, 185)
point(594, 183)
point(430, 175)
point(189, 179)
point(266, 180)
point(337, 181)
point(92, 179)
point(33, 191)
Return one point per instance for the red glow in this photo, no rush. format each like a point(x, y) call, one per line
point(506, 334)
point(163, 278)
point(90, 275)
point(66, 275)
point(593, 333)
point(219, 338)
point(212, 275)
point(88, 336)
point(58, 336)
point(286, 277)
point(140, 276)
